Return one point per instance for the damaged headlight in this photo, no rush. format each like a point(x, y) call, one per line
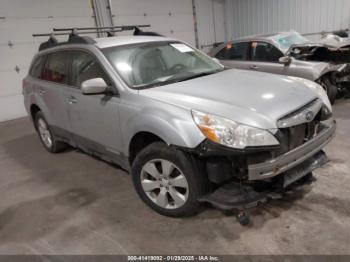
point(229, 133)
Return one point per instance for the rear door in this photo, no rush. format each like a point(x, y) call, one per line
point(265, 58)
point(235, 55)
point(50, 87)
point(94, 119)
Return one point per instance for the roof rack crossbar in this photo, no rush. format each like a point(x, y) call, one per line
point(74, 36)
point(69, 33)
point(122, 27)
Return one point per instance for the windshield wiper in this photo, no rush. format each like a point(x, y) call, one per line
point(176, 79)
point(193, 76)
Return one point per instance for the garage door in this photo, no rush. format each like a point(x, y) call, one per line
point(211, 23)
point(167, 17)
point(18, 20)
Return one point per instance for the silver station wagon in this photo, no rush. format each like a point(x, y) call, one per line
point(186, 129)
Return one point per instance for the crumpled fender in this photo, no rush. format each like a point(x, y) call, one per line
point(333, 68)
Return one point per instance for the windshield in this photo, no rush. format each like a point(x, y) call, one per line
point(159, 63)
point(285, 41)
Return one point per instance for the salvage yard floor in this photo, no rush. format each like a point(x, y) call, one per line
point(71, 203)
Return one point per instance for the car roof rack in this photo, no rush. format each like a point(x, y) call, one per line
point(74, 36)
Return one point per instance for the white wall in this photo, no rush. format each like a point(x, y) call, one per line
point(22, 18)
point(175, 18)
point(168, 17)
point(211, 22)
point(247, 17)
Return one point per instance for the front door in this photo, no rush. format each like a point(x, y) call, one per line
point(94, 119)
point(265, 58)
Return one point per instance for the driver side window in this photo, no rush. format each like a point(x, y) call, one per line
point(265, 52)
point(85, 67)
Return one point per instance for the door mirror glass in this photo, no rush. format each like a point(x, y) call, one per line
point(94, 86)
point(286, 60)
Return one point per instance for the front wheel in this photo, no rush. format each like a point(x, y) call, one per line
point(168, 180)
point(331, 89)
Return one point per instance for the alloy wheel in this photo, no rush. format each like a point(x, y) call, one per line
point(164, 183)
point(44, 133)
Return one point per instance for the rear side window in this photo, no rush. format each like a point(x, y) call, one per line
point(84, 67)
point(56, 68)
point(265, 52)
point(234, 51)
point(37, 67)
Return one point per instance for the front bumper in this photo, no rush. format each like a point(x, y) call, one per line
point(235, 195)
point(292, 158)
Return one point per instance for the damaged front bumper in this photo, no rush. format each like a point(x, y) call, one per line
point(271, 179)
point(292, 158)
point(241, 196)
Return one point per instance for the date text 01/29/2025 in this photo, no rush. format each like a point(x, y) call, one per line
point(173, 258)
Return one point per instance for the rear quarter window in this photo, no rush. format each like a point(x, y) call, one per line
point(56, 68)
point(37, 67)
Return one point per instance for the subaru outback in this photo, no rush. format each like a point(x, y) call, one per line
point(187, 129)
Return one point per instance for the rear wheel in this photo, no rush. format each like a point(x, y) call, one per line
point(46, 136)
point(168, 180)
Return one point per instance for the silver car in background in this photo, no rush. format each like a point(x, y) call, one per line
point(289, 53)
point(188, 130)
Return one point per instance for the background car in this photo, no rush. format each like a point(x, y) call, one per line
point(290, 54)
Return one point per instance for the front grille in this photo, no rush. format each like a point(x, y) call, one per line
point(295, 136)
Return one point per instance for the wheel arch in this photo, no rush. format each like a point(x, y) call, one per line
point(139, 141)
point(172, 129)
point(34, 109)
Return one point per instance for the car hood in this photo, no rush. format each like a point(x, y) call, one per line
point(335, 41)
point(251, 98)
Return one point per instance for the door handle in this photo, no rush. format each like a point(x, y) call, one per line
point(72, 100)
point(254, 67)
point(41, 91)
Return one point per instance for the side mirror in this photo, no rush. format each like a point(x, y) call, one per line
point(286, 60)
point(94, 86)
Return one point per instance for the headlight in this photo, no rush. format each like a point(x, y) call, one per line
point(230, 133)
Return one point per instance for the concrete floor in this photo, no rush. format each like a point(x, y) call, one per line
point(70, 203)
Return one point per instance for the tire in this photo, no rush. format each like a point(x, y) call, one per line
point(46, 136)
point(332, 90)
point(186, 171)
